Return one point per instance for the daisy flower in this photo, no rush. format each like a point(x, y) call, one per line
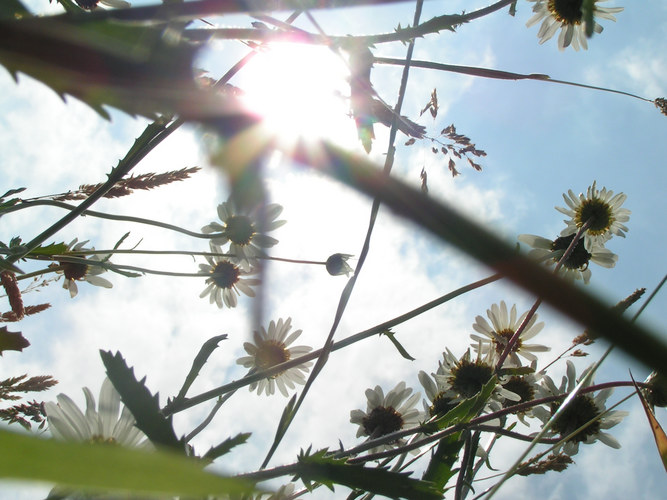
point(387, 414)
point(226, 279)
point(466, 377)
point(441, 398)
point(602, 208)
point(241, 230)
point(495, 337)
point(568, 16)
point(270, 348)
point(79, 271)
point(99, 424)
point(582, 409)
point(526, 387)
point(575, 267)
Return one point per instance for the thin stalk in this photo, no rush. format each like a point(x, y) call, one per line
point(172, 252)
point(102, 215)
point(249, 379)
point(499, 75)
point(347, 291)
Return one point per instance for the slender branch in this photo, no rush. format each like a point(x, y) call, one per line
point(249, 379)
point(103, 215)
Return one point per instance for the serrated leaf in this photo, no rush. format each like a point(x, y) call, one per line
point(82, 466)
point(441, 466)
point(200, 359)
point(102, 62)
point(658, 434)
point(144, 406)
point(12, 341)
point(224, 447)
point(329, 471)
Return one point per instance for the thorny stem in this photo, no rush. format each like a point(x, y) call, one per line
point(154, 133)
point(467, 450)
point(211, 7)
point(476, 423)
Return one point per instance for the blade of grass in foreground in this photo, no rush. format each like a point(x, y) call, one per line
point(479, 243)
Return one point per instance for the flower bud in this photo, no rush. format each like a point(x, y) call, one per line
point(337, 264)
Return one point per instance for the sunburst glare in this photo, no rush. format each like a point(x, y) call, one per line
point(300, 90)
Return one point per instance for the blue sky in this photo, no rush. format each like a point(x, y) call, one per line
point(541, 139)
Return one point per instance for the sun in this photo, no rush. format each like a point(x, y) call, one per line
point(301, 91)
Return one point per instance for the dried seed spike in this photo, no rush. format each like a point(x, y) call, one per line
point(11, 287)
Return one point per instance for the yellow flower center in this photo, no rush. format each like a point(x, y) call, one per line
point(224, 274)
point(271, 353)
point(598, 212)
point(382, 421)
point(239, 229)
point(74, 271)
point(566, 11)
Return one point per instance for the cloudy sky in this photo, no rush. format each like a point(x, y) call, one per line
point(541, 139)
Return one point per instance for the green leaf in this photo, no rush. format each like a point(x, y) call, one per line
point(397, 344)
point(52, 249)
point(224, 447)
point(12, 192)
point(329, 471)
point(465, 410)
point(103, 62)
point(144, 406)
point(200, 359)
point(12, 341)
point(12, 9)
point(101, 467)
point(658, 434)
point(440, 468)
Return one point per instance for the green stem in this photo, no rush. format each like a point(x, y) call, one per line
point(102, 215)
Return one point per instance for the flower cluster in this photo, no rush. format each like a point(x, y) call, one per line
point(244, 230)
point(459, 379)
point(600, 215)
